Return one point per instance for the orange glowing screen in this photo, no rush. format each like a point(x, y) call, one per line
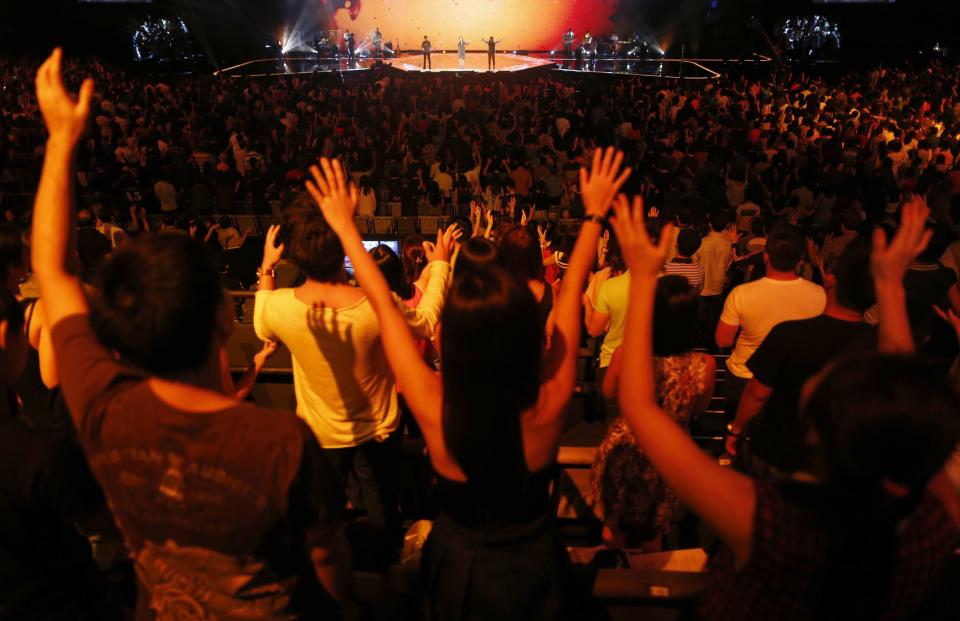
point(520, 24)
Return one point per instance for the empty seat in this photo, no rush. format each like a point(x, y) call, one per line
point(363, 224)
point(406, 227)
point(429, 225)
point(383, 225)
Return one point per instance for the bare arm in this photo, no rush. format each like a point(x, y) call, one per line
point(53, 251)
point(724, 499)
point(423, 391)
point(332, 565)
point(245, 384)
point(889, 264)
point(755, 396)
point(726, 335)
point(598, 187)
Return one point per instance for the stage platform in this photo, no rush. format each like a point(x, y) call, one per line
point(476, 63)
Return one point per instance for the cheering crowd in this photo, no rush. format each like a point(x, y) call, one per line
point(807, 226)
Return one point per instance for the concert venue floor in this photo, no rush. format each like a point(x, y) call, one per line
point(476, 63)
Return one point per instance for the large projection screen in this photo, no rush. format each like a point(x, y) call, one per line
point(520, 24)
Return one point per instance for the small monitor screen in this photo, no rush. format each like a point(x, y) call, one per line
point(370, 244)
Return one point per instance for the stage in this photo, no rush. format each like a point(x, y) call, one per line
point(446, 62)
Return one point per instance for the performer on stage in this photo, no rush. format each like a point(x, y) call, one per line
point(377, 40)
point(426, 53)
point(568, 38)
point(588, 47)
point(351, 44)
point(462, 50)
point(492, 53)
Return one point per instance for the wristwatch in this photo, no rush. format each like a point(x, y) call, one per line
point(596, 218)
point(261, 272)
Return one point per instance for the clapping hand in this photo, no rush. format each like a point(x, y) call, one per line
point(272, 252)
point(890, 260)
point(65, 115)
point(446, 241)
point(642, 257)
point(601, 183)
point(337, 199)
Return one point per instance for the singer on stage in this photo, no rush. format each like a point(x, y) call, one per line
point(426, 53)
point(462, 50)
point(377, 40)
point(492, 53)
point(568, 39)
point(351, 44)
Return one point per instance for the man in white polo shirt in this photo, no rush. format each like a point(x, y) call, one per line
point(753, 309)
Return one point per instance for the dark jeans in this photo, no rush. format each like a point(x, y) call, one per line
point(426, 61)
point(373, 465)
point(732, 389)
point(711, 306)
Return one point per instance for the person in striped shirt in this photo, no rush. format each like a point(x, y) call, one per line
point(688, 242)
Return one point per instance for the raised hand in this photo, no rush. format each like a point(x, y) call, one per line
point(601, 183)
point(890, 260)
point(266, 352)
point(523, 217)
point(542, 235)
point(512, 205)
point(950, 317)
point(642, 256)
point(653, 213)
point(337, 199)
point(446, 242)
point(65, 116)
point(272, 252)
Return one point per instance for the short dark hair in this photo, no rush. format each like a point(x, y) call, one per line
point(156, 303)
point(676, 312)
point(784, 247)
point(854, 279)
point(688, 242)
point(719, 220)
point(310, 242)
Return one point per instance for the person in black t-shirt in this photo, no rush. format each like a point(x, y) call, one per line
point(767, 416)
point(227, 510)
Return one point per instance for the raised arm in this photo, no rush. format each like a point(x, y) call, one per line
point(598, 187)
point(723, 498)
point(889, 263)
point(53, 251)
point(422, 388)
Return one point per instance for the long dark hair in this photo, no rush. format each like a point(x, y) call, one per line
point(475, 254)
point(392, 268)
point(491, 342)
point(414, 258)
point(676, 312)
point(876, 419)
point(519, 254)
